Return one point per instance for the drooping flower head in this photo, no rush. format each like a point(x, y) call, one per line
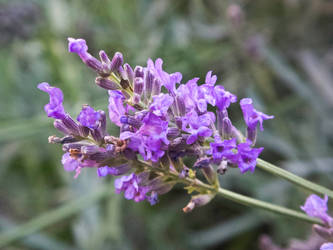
point(317, 207)
point(246, 157)
point(88, 117)
point(54, 108)
point(251, 116)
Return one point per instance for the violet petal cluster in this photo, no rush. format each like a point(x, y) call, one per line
point(317, 207)
point(161, 122)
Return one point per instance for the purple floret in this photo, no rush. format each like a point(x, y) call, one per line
point(197, 125)
point(69, 163)
point(317, 207)
point(246, 157)
point(168, 80)
point(161, 104)
point(78, 46)
point(151, 139)
point(251, 116)
point(130, 185)
point(88, 117)
point(54, 108)
point(222, 149)
point(223, 98)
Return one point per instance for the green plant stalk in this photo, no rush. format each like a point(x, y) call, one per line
point(53, 216)
point(251, 202)
point(308, 185)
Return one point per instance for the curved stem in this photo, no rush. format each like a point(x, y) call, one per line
point(308, 185)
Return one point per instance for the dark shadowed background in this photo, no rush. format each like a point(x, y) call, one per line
point(277, 52)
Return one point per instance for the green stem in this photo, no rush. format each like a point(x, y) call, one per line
point(308, 185)
point(251, 202)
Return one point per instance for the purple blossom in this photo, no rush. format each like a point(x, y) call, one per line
point(151, 139)
point(252, 116)
point(246, 157)
point(327, 246)
point(317, 207)
point(168, 80)
point(161, 104)
point(153, 198)
point(197, 125)
point(131, 187)
point(89, 117)
point(220, 149)
point(116, 106)
point(69, 163)
point(78, 46)
point(223, 98)
point(54, 108)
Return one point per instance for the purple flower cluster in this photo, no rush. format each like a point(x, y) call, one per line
point(160, 121)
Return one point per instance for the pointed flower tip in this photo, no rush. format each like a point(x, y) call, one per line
point(78, 46)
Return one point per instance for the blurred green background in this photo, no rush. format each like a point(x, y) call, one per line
point(277, 52)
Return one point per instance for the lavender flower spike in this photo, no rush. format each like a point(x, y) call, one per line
point(54, 108)
point(251, 116)
point(317, 207)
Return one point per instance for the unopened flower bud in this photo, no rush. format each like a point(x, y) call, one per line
point(105, 83)
point(226, 128)
point(156, 87)
point(59, 125)
point(138, 72)
point(138, 85)
point(89, 150)
point(252, 135)
point(130, 121)
point(117, 61)
point(181, 105)
point(129, 72)
point(71, 125)
point(198, 201)
point(106, 63)
point(148, 82)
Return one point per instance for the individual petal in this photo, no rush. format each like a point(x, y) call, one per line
point(116, 106)
point(210, 79)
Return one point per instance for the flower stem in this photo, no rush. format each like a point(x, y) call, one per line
point(251, 202)
point(308, 185)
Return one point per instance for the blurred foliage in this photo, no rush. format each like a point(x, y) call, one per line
point(278, 52)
